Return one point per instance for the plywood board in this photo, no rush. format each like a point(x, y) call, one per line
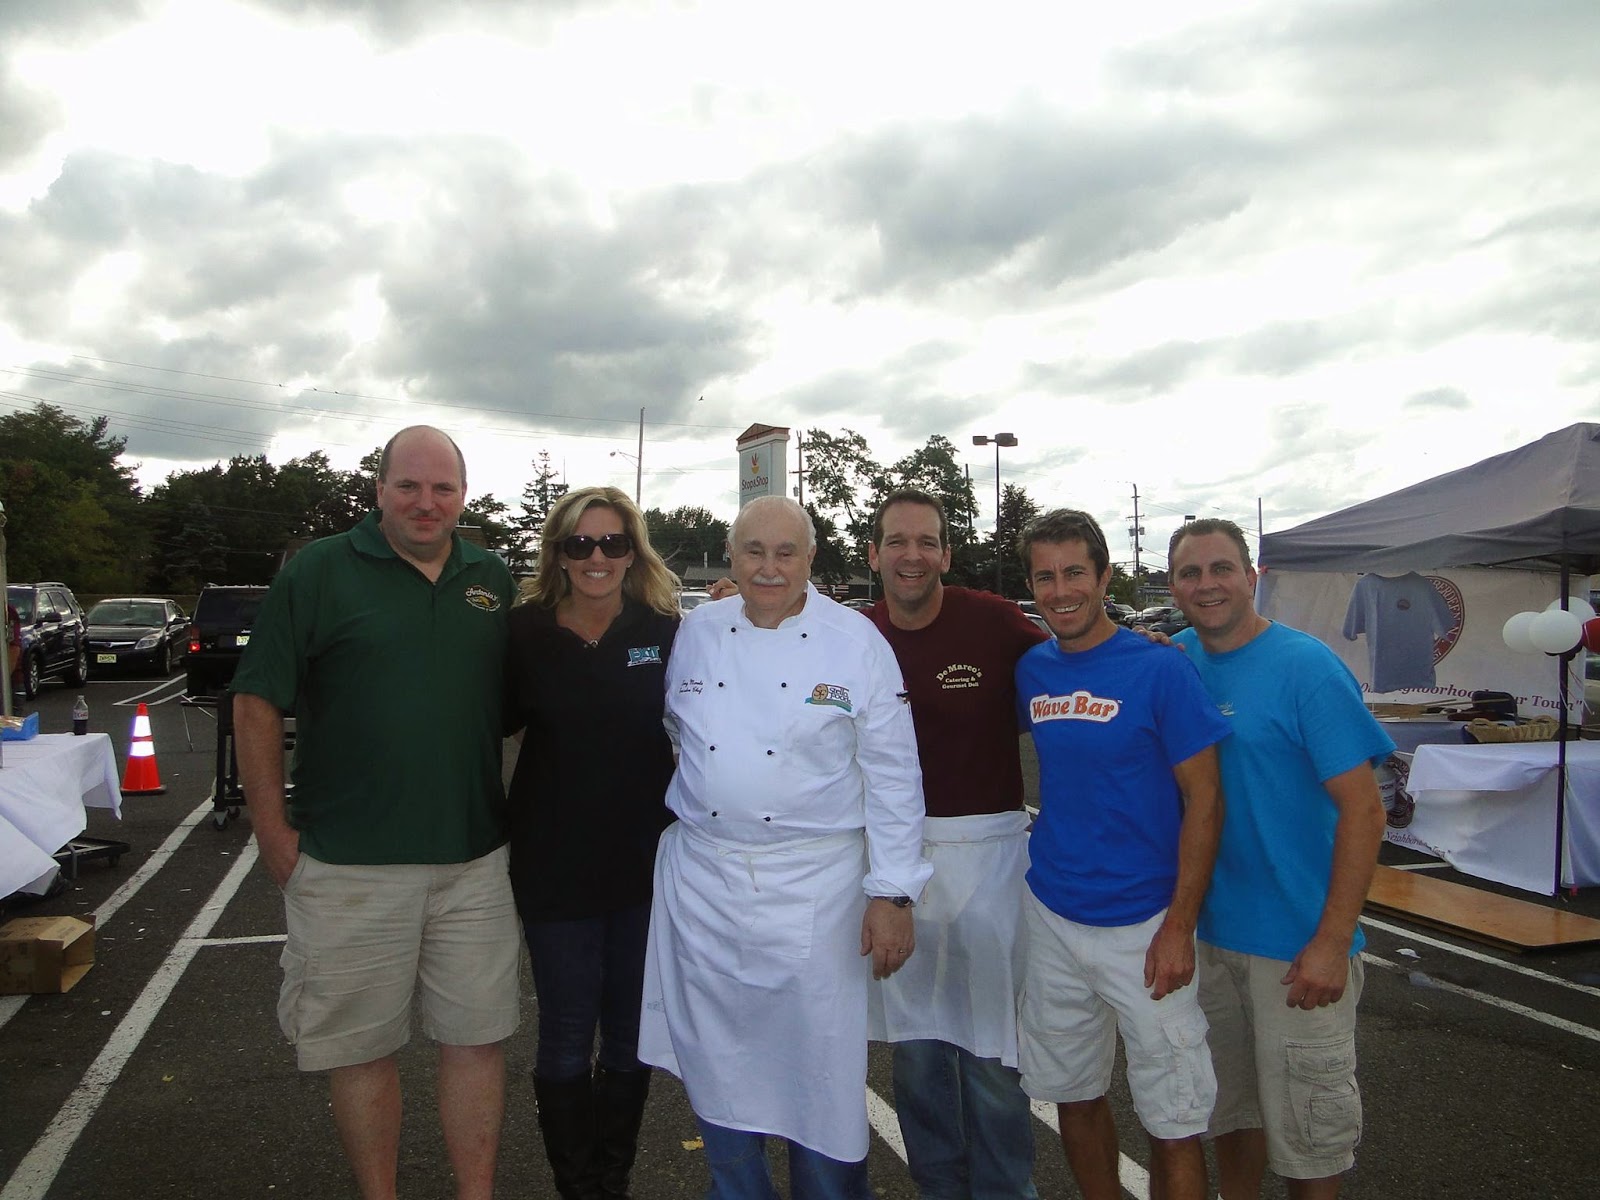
point(1481, 915)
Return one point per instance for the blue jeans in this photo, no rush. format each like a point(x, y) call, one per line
point(739, 1171)
point(966, 1123)
point(588, 973)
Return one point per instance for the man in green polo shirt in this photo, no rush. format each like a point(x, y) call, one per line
point(387, 643)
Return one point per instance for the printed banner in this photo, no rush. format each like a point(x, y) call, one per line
point(1428, 636)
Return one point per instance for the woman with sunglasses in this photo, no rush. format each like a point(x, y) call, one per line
point(590, 638)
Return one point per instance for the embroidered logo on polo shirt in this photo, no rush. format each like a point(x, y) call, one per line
point(1079, 706)
point(830, 694)
point(641, 656)
point(481, 597)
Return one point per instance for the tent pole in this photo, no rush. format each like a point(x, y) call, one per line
point(1562, 663)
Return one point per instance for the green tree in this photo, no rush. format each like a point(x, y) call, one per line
point(72, 506)
point(1124, 589)
point(246, 513)
point(1017, 508)
point(688, 536)
point(842, 483)
point(199, 552)
point(834, 562)
point(493, 517)
point(539, 496)
point(319, 500)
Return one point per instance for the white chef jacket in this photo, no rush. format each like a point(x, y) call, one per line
point(799, 794)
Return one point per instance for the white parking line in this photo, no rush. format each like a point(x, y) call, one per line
point(1511, 1006)
point(34, 1175)
point(1479, 956)
point(158, 859)
point(10, 1006)
point(881, 1116)
point(1135, 1179)
point(160, 687)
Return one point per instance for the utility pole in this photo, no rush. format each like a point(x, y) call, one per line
point(800, 469)
point(1135, 532)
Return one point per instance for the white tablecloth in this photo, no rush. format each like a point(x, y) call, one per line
point(45, 785)
point(1490, 811)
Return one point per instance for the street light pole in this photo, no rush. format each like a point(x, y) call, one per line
point(998, 440)
point(638, 464)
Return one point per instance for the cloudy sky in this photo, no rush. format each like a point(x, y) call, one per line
point(1220, 250)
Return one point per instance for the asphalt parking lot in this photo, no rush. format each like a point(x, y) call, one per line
point(163, 1072)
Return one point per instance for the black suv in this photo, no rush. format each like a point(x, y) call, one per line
point(53, 641)
point(218, 633)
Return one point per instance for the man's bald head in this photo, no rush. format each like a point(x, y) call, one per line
point(386, 456)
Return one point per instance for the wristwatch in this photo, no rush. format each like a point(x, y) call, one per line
point(898, 901)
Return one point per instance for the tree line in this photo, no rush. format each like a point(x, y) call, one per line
point(76, 513)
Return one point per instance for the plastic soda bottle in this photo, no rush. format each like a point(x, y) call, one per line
point(80, 716)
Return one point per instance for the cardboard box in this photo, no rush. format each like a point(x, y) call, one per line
point(44, 954)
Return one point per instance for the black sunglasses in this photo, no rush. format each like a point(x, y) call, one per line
point(580, 546)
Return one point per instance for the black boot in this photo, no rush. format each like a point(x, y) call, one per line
point(619, 1111)
point(567, 1121)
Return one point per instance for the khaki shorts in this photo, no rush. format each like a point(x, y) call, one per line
point(1296, 1069)
point(1081, 986)
point(363, 939)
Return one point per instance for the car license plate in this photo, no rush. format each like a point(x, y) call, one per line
point(105, 658)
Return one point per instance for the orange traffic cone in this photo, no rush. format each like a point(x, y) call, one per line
point(141, 778)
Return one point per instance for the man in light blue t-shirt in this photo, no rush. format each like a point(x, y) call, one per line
point(1280, 966)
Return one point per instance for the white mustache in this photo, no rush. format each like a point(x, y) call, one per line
point(767, 579)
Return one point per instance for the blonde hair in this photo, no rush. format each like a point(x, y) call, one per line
point(647, 581)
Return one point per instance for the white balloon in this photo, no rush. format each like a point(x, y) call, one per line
point(1555, 631)
point(1515, 633)
point(1577, 605)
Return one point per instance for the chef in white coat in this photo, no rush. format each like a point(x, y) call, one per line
point(788, 878)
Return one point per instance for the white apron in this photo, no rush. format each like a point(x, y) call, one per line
point(754, 991)
point(960, 985)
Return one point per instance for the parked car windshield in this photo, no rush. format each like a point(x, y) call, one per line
point(127, 612)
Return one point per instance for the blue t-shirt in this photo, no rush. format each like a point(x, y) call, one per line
point(1109, 725)
point(1298, 720)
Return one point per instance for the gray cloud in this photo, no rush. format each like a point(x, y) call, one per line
point(1439, 399)
point(1036, 198)
point(396, 22)
point(25, 115)
point(75, 20)
point(502, 294)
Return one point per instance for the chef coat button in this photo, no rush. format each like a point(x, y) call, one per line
point(766, 818)
point(769, 753)
point(713, 747)
point(719, 683)
point(803, 636)
point(783, 685)
point(713, 812)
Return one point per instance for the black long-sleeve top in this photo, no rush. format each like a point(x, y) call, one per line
point(586, 797)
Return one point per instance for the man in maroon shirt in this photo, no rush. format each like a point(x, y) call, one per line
point(950, 1012)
